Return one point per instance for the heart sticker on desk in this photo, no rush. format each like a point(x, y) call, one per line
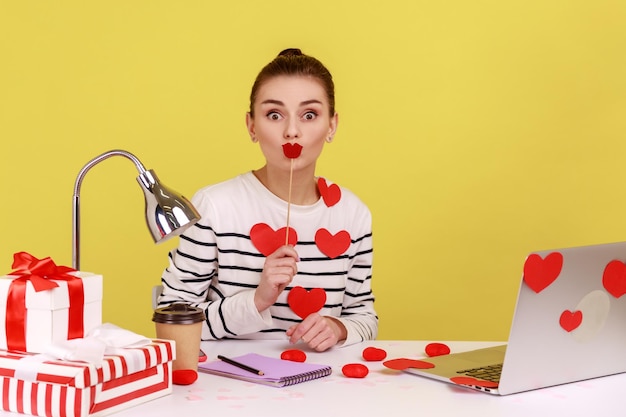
point(570, 320)
point(539, 273)
point(303, 302)
point(468, 380)
point(614, 278)
point(332, 245)
point(331, 194)
point(267, 240)
point(401, 364)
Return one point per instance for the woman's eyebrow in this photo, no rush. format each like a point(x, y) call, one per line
point(280, 103)
point(271, 101)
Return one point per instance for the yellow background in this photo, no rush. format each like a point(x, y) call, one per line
point(476, 131)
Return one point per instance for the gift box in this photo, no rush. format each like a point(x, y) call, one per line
point(55, 388)
point(41, 304)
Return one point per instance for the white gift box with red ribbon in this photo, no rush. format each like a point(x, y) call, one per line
point(55, 388)
point(46, 317)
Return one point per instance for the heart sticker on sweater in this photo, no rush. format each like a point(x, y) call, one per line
point(570, 320)
point(614, 278)
point(539, 273)
point(331, 194)
point(303, 302)
point(267, 240)
point(332, 245)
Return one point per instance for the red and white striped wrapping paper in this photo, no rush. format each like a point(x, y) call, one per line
point(78, 389)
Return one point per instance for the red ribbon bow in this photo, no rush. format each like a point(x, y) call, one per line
point(40, 273)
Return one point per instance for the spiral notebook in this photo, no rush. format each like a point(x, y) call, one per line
point(277, 372)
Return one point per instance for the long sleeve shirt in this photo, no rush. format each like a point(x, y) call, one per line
point(219, 260)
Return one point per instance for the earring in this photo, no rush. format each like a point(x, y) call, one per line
point(253, 139)
point(329, 139)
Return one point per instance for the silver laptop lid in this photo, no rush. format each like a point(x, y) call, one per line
point(570, 320)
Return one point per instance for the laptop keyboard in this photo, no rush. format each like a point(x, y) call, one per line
point(486, 373)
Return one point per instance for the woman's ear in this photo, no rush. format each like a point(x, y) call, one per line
point(250, 126)
point(332, 129)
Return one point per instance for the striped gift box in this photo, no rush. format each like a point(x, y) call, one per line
point(78, 389)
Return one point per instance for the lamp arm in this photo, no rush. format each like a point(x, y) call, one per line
point(76, 198)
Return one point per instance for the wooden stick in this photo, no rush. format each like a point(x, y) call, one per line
point(289, 203)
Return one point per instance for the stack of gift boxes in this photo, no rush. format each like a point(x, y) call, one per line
point(42, 304)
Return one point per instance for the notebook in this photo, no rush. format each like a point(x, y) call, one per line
point(277, 372)
point(568, 325)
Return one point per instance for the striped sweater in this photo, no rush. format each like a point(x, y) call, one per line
point(218, 262)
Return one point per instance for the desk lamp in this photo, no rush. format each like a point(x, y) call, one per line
point(167, 212)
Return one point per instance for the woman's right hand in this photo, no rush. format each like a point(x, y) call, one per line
point(278, 271)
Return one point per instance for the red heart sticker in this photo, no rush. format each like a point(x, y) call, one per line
point(303, 302)
point(539, 273)
point(332, 245)
point(614, 278)
point(436, 349)
point(331, 194)
point(292, 150)
point(401, 364)
point(570, 320)
point(355, 370)
point(266, 240)
point(294, 355)
point(371, 354)
point(468, 380)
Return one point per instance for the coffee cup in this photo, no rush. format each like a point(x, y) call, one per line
point(181, 323)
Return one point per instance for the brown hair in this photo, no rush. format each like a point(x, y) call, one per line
point(293, 62)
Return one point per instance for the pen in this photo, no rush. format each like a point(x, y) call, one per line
point(240, 365)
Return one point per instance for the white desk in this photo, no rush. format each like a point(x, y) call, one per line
point(383, 392)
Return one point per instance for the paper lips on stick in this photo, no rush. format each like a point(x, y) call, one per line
point(292, 150)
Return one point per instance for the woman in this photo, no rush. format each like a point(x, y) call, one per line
point(279, 230)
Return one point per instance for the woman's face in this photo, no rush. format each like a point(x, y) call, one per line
point(291, 109)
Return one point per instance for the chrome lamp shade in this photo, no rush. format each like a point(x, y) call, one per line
point(168, 213)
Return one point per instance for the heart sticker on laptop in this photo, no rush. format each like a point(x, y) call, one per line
point(539, 273)
point(570, 320)
point(303, 302)
point(614, 278)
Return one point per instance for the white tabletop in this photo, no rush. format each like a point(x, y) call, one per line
point(381, 392)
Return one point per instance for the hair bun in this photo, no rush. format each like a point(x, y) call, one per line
point(290, 52)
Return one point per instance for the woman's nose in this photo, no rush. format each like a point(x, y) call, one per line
point(292, 130)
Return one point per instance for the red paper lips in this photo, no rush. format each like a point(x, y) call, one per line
point(292, 150)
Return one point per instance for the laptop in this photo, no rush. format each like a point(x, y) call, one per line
point(569, 325)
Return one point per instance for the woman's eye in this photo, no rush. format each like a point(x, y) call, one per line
point(310, 115)
point(273, 115)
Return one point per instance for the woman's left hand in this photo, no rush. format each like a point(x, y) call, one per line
point(318, 332)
